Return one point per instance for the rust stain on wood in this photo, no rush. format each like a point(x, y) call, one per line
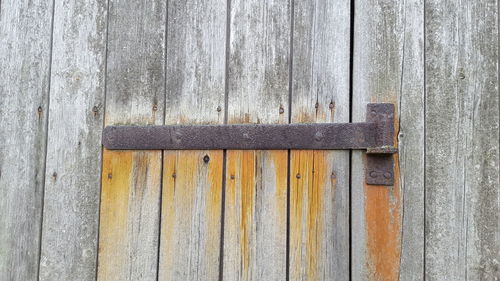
point(214, 203)
point(383, 224)
point(308, 182)
point(126, 177)
point(279, 159)
point(191, 213)
point(248, 162)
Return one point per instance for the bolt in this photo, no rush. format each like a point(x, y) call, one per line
point(298, 176)
point(206, 158)
point(387, 175)
point(318, 136)
point(219, 108)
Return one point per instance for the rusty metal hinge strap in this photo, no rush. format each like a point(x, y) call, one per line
point(375, 135)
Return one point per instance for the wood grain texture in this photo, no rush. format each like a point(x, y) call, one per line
point(70, 218)
point(192, 180)
point(255, 229)
point(462, 176)
point(387, 238)
point(191, 215)
point(131, 180)
point(319, 189)
point(25, 36)
point(255, 215)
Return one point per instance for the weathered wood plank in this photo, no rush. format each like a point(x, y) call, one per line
point(72, 184)
point(255, 226)
point(462, 174)
point(255, 215)
point(131, 181)
point(191, 215)
point(319, 189)
point(25, 50)
point(192, 180)
point(387, 238)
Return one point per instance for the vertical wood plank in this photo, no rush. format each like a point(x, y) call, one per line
point(72, 184)
point(387, 234)
point(131, 180)
point(462, 174)
point(25, 50)
point(319, 189)
point(192, 180)
point(255, 229)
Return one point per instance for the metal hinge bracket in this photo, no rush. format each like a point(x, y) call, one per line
point(376, 136)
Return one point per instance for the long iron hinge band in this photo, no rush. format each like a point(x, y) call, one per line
point(376, 136)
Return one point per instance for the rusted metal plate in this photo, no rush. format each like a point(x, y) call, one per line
point(376, 135)
point(251, 136)
point(379, 166)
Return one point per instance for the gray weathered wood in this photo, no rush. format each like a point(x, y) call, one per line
point(72, 183)
point(387, 234)
point(25, 37)
point(256, 181)
point(192, 188)
point(131, 181)
point(319, 198)
point(462, 176)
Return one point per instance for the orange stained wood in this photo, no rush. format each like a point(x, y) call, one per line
point(312, 182)
point(127, 177)
point(383, 225)
point(191, 214)
point(254, 180)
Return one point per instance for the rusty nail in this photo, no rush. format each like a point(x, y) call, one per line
point(174, 175)
point(110, 175)
point(39, 109)
point(333, 176)
point(206, 158)
point(331, 105)
point(232, 177)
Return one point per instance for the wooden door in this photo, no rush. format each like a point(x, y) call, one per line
point(71, 210)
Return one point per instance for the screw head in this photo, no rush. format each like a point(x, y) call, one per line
point(297, 176)
point(387, 175)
